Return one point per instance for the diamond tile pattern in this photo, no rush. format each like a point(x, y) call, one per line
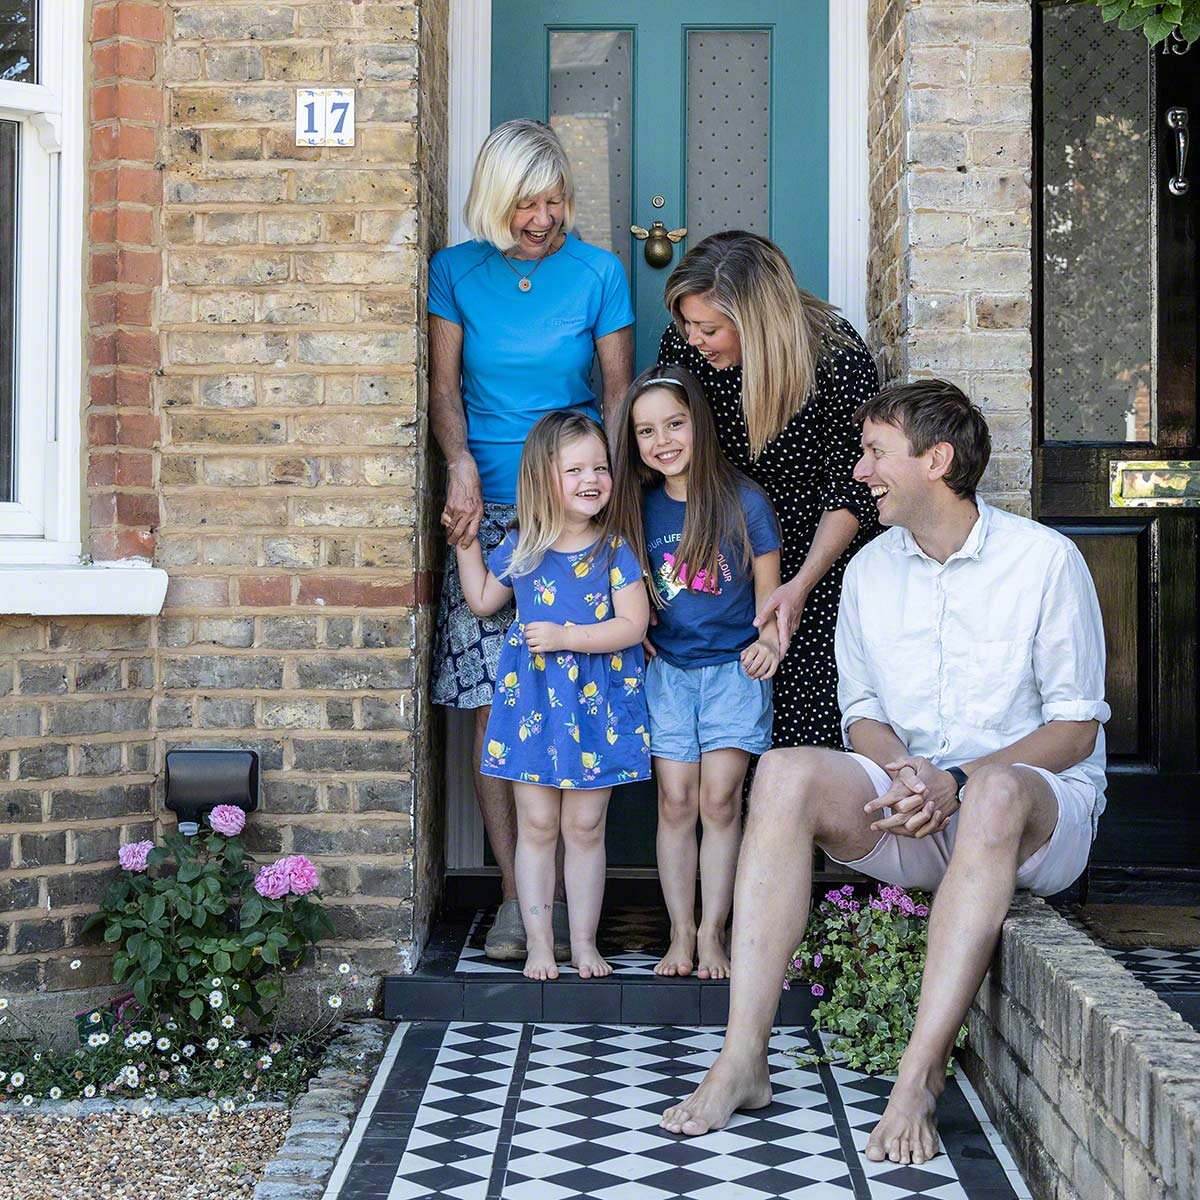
point(564, 1112)
point(1162, 970)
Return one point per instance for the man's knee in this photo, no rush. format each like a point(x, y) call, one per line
point(786, 784)
point(995, 806)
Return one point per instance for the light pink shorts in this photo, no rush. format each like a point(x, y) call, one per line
point(1053, 867)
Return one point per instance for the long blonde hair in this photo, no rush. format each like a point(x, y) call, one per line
point(541, 513)
point(781, 327)
point(518, 160)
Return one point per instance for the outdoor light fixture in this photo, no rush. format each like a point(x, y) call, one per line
point(198, 780)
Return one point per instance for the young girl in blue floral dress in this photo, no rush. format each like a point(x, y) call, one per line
point(569, 718)
point(711, 550)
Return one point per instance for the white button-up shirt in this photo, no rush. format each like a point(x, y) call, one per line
point(965, 657)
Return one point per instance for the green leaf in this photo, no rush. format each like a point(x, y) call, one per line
point(181, 972)
point(221, 962)
point(150, 956)
point(196, 1008)
point(270, 954)
point(141, 991)
point(252, 911)
point(112, 933)
point(1158, 29)
point(1189, 27)
point(156, 910)
point(1110, 12)
point(188, 872)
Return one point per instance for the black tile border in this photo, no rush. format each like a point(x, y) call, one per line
point(963, 1139)
point(508, 1120)
point(854, 1167)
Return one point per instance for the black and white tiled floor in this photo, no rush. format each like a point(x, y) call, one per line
point(508, 1111)
point(1173, 974)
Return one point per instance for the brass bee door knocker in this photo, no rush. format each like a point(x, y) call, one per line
point(658, 239)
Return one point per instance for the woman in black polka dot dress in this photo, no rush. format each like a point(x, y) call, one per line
point(783, 374)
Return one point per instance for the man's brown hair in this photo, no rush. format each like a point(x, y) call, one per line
point(929, 411)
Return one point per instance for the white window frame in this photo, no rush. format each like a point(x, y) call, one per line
point(42, 524)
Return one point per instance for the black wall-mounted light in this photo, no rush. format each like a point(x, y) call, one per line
point(198, 780)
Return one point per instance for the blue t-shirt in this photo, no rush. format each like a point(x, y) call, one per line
point(704, 622)
point(525, 353)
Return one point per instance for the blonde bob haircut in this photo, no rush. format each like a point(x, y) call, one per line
point(518, 160)
point(782, 328)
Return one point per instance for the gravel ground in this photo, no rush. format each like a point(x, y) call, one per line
point(119, 1156)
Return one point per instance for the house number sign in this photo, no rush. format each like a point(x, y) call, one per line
point(324, 116)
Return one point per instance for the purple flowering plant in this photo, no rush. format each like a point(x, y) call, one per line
point(862, 958)
point(195, 910)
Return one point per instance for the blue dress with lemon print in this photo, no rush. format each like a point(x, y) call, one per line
point(568, 719)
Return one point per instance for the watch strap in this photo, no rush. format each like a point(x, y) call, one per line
point(959, 776)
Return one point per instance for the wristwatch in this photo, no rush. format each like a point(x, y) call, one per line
point(960, 779)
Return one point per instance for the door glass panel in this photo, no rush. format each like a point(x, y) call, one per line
point(18, 27)
point(1096, 231)
point(8, 307)
point(728, 131)
point(591, 105)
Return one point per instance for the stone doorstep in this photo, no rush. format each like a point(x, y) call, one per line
point(1138, 1061)
point(321, 1117)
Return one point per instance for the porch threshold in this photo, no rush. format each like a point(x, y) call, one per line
point(455, 982)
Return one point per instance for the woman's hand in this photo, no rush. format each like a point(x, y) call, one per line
point(544, 637)
point(786, 602)
point(464, 502)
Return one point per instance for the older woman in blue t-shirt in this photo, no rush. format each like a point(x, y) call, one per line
point(516, 317)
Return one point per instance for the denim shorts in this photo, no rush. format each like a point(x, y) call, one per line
point(697, 709)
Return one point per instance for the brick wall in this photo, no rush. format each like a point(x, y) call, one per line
point(256, 423)
point(1093, 1081)
point(950, 282)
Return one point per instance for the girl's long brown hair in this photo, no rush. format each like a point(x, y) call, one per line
point(714, 509)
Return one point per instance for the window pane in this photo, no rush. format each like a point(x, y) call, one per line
point(591, 97)
point(1096, 231)
point(18, 27)
point(8, 308)
point(729, 132)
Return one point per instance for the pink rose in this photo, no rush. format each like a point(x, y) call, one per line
point(271, 882)
point(227, 819)
point(301, 874)
point(133, 856)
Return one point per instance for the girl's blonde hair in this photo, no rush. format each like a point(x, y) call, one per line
point(518, 160)
point(541, 513)
point(781, 327)
point(714, 513)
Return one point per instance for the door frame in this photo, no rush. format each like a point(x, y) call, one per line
point(469, 123)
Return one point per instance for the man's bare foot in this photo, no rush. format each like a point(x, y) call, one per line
point(728, 1086)
point(540, 964)
point(680, 955)
point(714, 959)
point(907, 1131)
point(587, 960)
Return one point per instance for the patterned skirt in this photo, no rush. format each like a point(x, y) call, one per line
point(467, 649)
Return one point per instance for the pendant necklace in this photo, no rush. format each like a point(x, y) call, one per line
point(524, 281)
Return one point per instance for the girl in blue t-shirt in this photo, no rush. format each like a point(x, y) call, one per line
point(568, 720)
point(711, 551)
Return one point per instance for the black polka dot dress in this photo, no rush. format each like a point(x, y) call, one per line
point(806, 471)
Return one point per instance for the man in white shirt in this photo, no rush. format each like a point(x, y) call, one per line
point(971, 681)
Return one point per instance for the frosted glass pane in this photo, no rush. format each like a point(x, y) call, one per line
point(591, 102)
point(1096, 233)
point(728, 131)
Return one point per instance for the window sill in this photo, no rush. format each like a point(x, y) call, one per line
point(127, 589)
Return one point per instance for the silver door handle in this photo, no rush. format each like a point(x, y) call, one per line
point(1177, 119)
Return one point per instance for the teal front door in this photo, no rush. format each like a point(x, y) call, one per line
point(701, 114)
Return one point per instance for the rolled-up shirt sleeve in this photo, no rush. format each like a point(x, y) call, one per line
point(857, 696)
point(844, 381)
point(1068, 650)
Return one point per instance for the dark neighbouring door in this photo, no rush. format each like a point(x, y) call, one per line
point(1117, 461)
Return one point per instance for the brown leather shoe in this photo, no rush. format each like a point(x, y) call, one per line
point(506, 939)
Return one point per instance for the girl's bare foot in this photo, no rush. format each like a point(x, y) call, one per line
point(728, 1086)
point(907, 1131)
point(714, 959)
point(586, 959)
point(540, 964)
point(680, 955)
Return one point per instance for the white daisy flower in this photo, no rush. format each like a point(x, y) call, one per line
point(215, 999)
point(243, 1044)
point(264, 1062)
point(189, 1050)
point(3, 1003)
point(227, 1021)
point(105, 1038)
point(17, 1079)
point(343, 968)
point(94, 1018)
point(218, 1063)
point(214, 1113)
point(212, 1043)
point(146, 1110)
point(163, 1043)
point(93, 1039)
point(145, 1037)
point(89, 1091)
point(131, 1041)
point(3, 1076)
point(216, 981)
point(174, 1057)
point(76, 963)
point(56, 1093)
point(27, 1100)
point(334, 1002)
point(227, 1105)
point(370, 1005)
